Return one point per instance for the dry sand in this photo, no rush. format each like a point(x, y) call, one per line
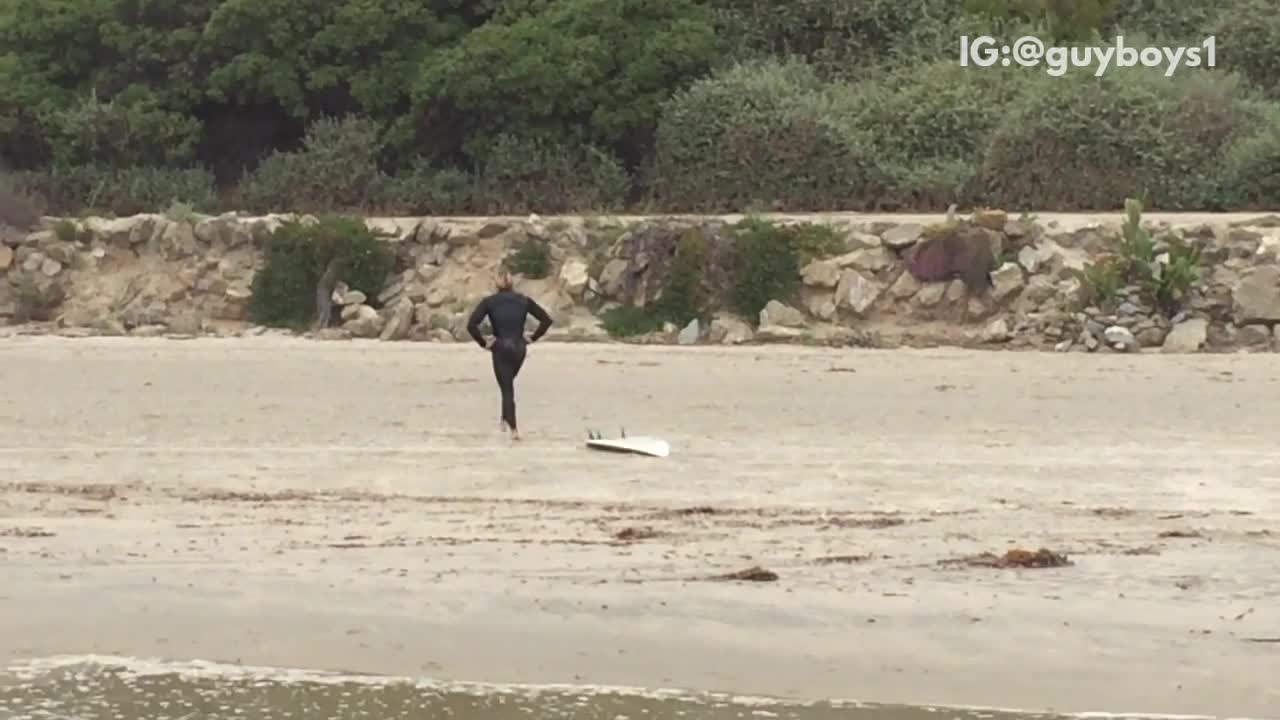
point(353, 506)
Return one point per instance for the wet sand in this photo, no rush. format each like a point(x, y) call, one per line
point(353, 507)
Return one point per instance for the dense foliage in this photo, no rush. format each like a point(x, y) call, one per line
point(295, 259)
point(516, 106)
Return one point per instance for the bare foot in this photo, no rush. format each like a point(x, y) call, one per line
point(515, 435)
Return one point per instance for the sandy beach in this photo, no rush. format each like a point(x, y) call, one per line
point(353, 506)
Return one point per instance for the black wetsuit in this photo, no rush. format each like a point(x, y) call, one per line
point(507, 311)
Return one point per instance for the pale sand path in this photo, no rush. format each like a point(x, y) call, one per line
point(497, 563)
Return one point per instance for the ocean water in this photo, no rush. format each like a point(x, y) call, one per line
point(108, 688)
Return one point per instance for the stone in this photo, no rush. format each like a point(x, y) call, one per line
point(902, 236)
point(1039, 290)
point(32, 262)
point(398, 322)
point(991, 219)
point(931, 294)
point(50, 267)
point(778, 333)
point(729, 330)
point(574, 277)
point(1256, 298)
point(6, 257)
point(177, 240)
point(437, 296)
point(1150, 337)
point(1064, 346)
point(1189, 336)
point(365, 322)
point(905, 286)
point(873, 260)
point(777, 314)
point(956, 291)
point(1254, 337)
point(1030, 257)
point(612, 277)
point(996, 331)
point(353, 297)
point(857, 240)
point(1006, 280)
point(689, 334)
point(856, 292)
point(821, 306)
point(821, 273)
point(1120, 338)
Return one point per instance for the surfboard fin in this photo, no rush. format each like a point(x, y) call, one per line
point(622, 431)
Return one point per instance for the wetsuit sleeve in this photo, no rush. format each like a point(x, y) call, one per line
point(473, 322)
point(544, 320)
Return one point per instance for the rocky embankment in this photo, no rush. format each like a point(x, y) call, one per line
point(159, 275)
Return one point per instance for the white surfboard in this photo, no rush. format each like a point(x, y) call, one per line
point(651, 446)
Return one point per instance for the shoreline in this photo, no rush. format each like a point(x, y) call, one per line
point(175, 500)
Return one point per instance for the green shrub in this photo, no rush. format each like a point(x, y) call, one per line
point(1171, 22)
point(1251, 168)
point(1061, 20)
point(685, 294)
point(128, 130)
point(17, 209)
point(839, 38)
point(1078, 142)
point(1163, 269)
point(521, 175)
point(626, 321)
point(531, 259)
point(422, 189)
point(760, 134)
point(295, 258)
point(1248, 38)
point(337, 167)
point(593, 72)
point(119, 191)
point(930, 125)
point(766, 265)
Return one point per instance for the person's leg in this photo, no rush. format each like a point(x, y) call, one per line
point(506, 364)
point(515, 360)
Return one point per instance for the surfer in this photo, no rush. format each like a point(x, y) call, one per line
point(507, 311)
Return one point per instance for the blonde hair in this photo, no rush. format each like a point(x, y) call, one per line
point(503, 280)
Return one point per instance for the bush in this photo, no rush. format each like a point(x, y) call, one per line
point(685, 293)
point(591, 71)
point(1078, 142)
point(839, 38)
point(129, 130)
point(760, 134)
point(1248, 35)
point(295, 258)
point(521, 175)
point(119, 191)
point(422, 189)
point(532, 259)
point(17, 209)
point(337, 167)
point(1251, 168)
point(1164, 270)
point(766, 264)
point(929, 127)
point(1170, 22)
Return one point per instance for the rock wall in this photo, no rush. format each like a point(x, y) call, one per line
point(154, 275)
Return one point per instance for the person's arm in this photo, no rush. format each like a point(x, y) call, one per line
point(544, 320)
point(473, 322)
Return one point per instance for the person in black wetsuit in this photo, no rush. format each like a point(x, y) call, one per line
point(507, 311)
